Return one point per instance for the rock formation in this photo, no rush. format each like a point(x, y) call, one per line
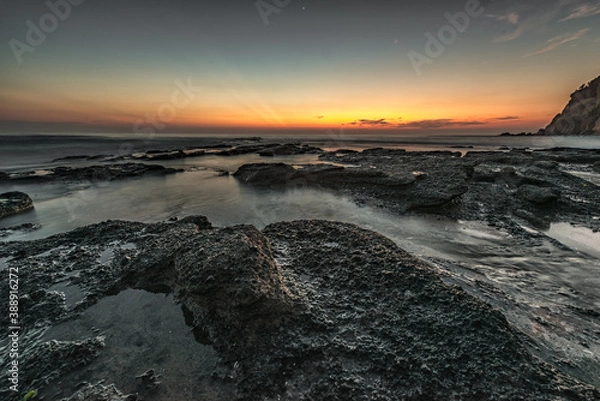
point(13, 203)
point(581, 116)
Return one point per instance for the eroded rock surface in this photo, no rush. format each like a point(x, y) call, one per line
point(109, 172)
point(502, 188)
point(302, 310)
point(581, 116)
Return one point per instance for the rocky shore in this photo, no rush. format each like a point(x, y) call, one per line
point(302, 310)
point(505, 189)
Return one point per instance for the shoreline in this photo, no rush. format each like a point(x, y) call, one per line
point(511, 191)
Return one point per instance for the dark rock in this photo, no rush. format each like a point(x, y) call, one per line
point(99, 392)
point(13, 203)
point(382, 152)
point(548, 165)
point(149, 379)
point(232, 278)
point(246, 149)
point(596, 166)
point(302, 310)
point(289, 149)
point(26, 227)
point(172, 155)
point(537, 222)
point(68, 158)
point(96, 173)
point(50, 361)
point(4, 176)
point(538, 195)
point(265, 174)
point(477, 186)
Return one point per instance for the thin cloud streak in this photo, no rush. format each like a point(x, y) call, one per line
point(372, 123)
point(583, 11)
point(507, 118)
point(511, 17)
point(439, 123)
point(558, 41)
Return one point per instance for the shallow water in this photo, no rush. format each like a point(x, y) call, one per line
point(142, 331)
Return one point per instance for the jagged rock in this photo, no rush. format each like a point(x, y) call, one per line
point(320, 174)
point(13, 203)
point(26, 227)
point(548, 165)
point(50, 361)
point(265, 174)
point(172, 155)
point(538, 195)
point(229, 277)
point(246, 149)
point(581, 116)
point(289, 149)
point(302, 310)
point(477, 186)
point(100, 392)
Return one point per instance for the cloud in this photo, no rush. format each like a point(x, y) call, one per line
point(525, 17)
point(558, 41)
point(440, 123)
point(511, 17)
point(319, 117)
point(507, 118)
point(583, 11)
point(511, 35)
point(371, 123)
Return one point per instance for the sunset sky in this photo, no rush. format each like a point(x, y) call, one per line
point(294, 66)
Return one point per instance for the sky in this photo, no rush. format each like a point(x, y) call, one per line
point(292, 66)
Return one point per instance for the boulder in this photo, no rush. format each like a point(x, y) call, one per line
point(13, 203)
point(265, 174)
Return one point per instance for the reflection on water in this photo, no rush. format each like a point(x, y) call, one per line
point(142, 331)
point(580, 239)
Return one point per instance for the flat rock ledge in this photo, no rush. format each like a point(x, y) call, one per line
point(505, 189)
point(99, 173)
point(306, 310)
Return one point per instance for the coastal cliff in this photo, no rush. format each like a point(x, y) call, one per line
point(581, 116)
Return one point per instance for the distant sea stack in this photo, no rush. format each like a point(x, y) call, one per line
point(581, 116)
